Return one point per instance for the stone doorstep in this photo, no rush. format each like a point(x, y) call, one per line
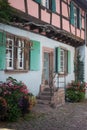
point(44, 102)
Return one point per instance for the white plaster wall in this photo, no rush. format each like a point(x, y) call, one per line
point(33, 78)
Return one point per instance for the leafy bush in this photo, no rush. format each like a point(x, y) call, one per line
point(3, 108)
point(75, 92)
point(16, 96)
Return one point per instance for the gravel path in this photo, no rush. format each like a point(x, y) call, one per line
point(71, 116)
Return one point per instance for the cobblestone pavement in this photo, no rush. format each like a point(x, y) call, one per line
point(71, 116)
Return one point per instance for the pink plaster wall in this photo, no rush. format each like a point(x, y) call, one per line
point(83, 13)
point(83, 23)
point(72, 30)
point(45, 16)
point(55, 20)
point(19, 4)
point(78, 32)
point(33, 8)
point(66, 25)
point(82, 34)
point(64, 9)
point(58, 6)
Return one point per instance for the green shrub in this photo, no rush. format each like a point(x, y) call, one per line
point(75, 92)
point(14, 112)
point(16, 96)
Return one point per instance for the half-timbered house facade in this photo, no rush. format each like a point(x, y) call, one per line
point(39, 45)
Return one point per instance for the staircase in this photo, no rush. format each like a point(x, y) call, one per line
point(45, 97)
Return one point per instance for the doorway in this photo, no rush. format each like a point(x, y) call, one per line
point(47, 65)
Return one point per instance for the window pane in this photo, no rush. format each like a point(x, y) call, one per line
point(20, 54)
point(9, 54)
point(62, 60)
point(45, 3)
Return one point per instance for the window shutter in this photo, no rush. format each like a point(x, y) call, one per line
point(57, 59)
point(69, 62)
point(38, 1)
point(71, 13)
point(2, 50)
point(54, 5)
point(35, 56)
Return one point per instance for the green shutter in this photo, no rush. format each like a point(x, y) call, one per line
point(2, 50)
point(71, 13)
point(69, 62)
point(54, 5)
point(57, 60)
point(38, 1)
point(35, 56)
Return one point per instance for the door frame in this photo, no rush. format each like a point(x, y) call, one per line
point(50, 51)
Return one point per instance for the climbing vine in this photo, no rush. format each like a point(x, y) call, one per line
point(5, 10)
point(79, 68)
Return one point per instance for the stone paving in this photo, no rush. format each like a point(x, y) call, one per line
point(71, 116)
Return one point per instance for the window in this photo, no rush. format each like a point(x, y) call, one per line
point(16, 54)
point(20, 54)
point(45, 3)
point(9, 53)
point(49, 4)
point(62, 61)
point(75, 15)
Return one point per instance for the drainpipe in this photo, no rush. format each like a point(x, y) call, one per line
point(85, 57)
point(85, 46)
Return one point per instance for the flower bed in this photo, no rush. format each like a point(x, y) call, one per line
point(15, 97)
point(75, 91)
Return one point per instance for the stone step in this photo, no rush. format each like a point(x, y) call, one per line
point(44, 102)
point(45, 97)
point(48, 89)
point(46, 93)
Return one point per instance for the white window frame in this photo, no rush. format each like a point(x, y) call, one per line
point(62, 61)
point(20, 54)
point(9, 54)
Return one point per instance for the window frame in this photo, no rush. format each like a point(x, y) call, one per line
point(75, 14)
point(25, 57)
point(20, 50)
point(64, 61)
point(8, 58)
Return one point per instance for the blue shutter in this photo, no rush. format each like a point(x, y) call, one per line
point(54, 5)
point(2, 50)
point(38, 1)
point(57, 60)
point(35, 56)
point(69, 62)
point(71, 13)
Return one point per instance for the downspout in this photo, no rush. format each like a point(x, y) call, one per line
point(85, 47)
point(85, 72)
